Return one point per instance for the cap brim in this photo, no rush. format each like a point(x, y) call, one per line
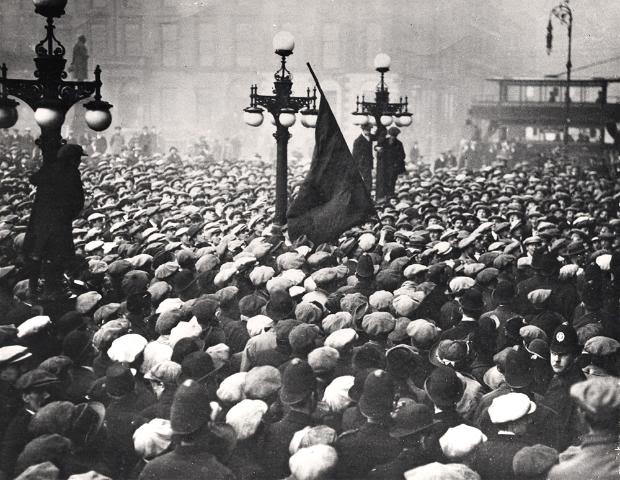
point(400, 432)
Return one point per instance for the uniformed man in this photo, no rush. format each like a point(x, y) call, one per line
point(362, 449)
point(564, 352)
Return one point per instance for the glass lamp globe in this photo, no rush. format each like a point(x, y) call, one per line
point(283, 43)
point(50, 8)
point(360, 119)
point(8, 113)
point(253, 117)
point(98, 120)
point(47, 117)
point(287, 118)
point(309, 118)
point(403, 120)
point(382, 62)
point(386, 120)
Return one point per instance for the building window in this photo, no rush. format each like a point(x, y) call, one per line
point(244, 41)
point(169, 44)
point(331, 45)
point(206, 44)
point(132, 39)
point(99, 38)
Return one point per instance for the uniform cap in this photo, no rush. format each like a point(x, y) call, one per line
point(564, 340)
point(190, 409)
point(377, 395)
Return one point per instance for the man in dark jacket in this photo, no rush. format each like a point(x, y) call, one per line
point(58, 201)
point(362, 154)
point(35, 387)
point(373, 438)
point(510, 415)
point(193, 456)
point(564, 351)
point(390, 163)
point(298, 393)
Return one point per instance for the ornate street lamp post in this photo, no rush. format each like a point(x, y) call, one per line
point(564, 14)
point(50, 95)
point(382, 112)
point(283, 107)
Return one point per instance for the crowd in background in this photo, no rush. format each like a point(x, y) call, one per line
point(470, 332)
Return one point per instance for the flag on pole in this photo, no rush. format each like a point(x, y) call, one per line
point(333, 197)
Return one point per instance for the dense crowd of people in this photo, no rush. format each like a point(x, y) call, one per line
point(470, 332)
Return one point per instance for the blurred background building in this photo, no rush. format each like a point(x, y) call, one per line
point(185, 66)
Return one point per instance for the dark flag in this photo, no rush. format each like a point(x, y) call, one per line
point(333, 197)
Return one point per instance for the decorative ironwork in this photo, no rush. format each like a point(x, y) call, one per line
point(382, 105)
point(50, 88)
point(50, 38)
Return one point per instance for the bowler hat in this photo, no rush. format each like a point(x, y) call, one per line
point(444, 387)
point(517, 369)
point(280, 305)
point(410, 418)
point(471, 300)
point(119, 380)
point(365, 268)
point(504, 292)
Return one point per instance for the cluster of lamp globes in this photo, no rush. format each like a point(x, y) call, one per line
point(283, 44)
point(382, 64)
point(52, 116)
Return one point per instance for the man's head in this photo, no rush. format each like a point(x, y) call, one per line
point(564, 349)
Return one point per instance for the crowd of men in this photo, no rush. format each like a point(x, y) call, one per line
point(471, 332)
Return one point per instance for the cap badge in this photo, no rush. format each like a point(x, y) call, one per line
point(560, 337)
